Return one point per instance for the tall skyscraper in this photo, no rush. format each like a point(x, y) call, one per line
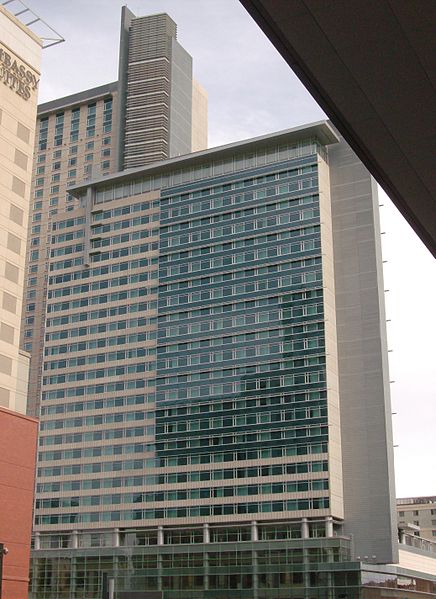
point(154, 111)
point(215, 415)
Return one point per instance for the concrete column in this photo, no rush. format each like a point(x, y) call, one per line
point(74, 539)
point(304, 528)
point(160, 535)
point(329, 526)
point(206, 570)
point(206, 533)
point(159, 571)
point(254, 531)
point(255, 575)
point(402, 537)
point(37, 541)
point(116, 537)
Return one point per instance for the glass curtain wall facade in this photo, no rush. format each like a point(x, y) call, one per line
point(189, 441)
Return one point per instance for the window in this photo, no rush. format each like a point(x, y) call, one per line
point(40, 170)
point(34, 255)
point(36, 229)
point(401, 514)
point(415, 513)
point(56, 166)
point(89, 145)
point(57, 154)
point(37, 205)
point(105, 164)
point(34, 242)
point(89, 157)
point(73, 150)
point(105, 152)
point(54, 201)
point(56, 177)
point(28, 347)
point(52, 212)
point(54, 189)
point(106, 141)
point(39, 181)
point(72, 161)
point(39, 193)
point(41, 158)
point(72, 172)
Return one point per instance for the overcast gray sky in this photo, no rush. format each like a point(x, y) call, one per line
point(251, 92)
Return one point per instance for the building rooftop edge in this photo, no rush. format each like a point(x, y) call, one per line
point(320, 129)
point(18, 415)
point(77, 97)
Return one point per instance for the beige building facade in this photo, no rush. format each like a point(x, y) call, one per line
point(20, 57)
point(419, 512)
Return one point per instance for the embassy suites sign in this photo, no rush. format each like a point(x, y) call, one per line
point(17, 75)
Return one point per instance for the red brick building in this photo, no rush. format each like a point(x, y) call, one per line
point(18, 439)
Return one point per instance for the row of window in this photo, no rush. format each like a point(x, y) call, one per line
point(186, 494)
point(68, 249)
point(239, 291)
point(241, 258)
point(126, 237)
point(129, 209)
point(272, 238)
point(126, 251)
point(97, 314)
point(105, 298)
point(241, 420)
point(241, 386)
point(204, 233)
point(249, 182)
point(83, 360)
point(105, 327)
point(94, 452)
point(204, 222)
point(242, 404)
point(63, 264)
point(191, 512)
point(96, 404)
point(92, 436)
point(95, 420)
point(102, 270)
point(185, 477)
point(240, 353)
point(106, 283)
point(219, 324)
point(85, 346)
point(79, 234)
point(241, 198)
point(97, 467)
point(241, 274)
point(100, 373)
point(242, 439)
point(102, 388)
point(251, 369)
point(70, 222)
point(297, 344)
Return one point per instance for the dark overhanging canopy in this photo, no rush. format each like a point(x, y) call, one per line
point(371, 65)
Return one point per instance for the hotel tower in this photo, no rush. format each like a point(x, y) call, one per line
point(215, 409)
